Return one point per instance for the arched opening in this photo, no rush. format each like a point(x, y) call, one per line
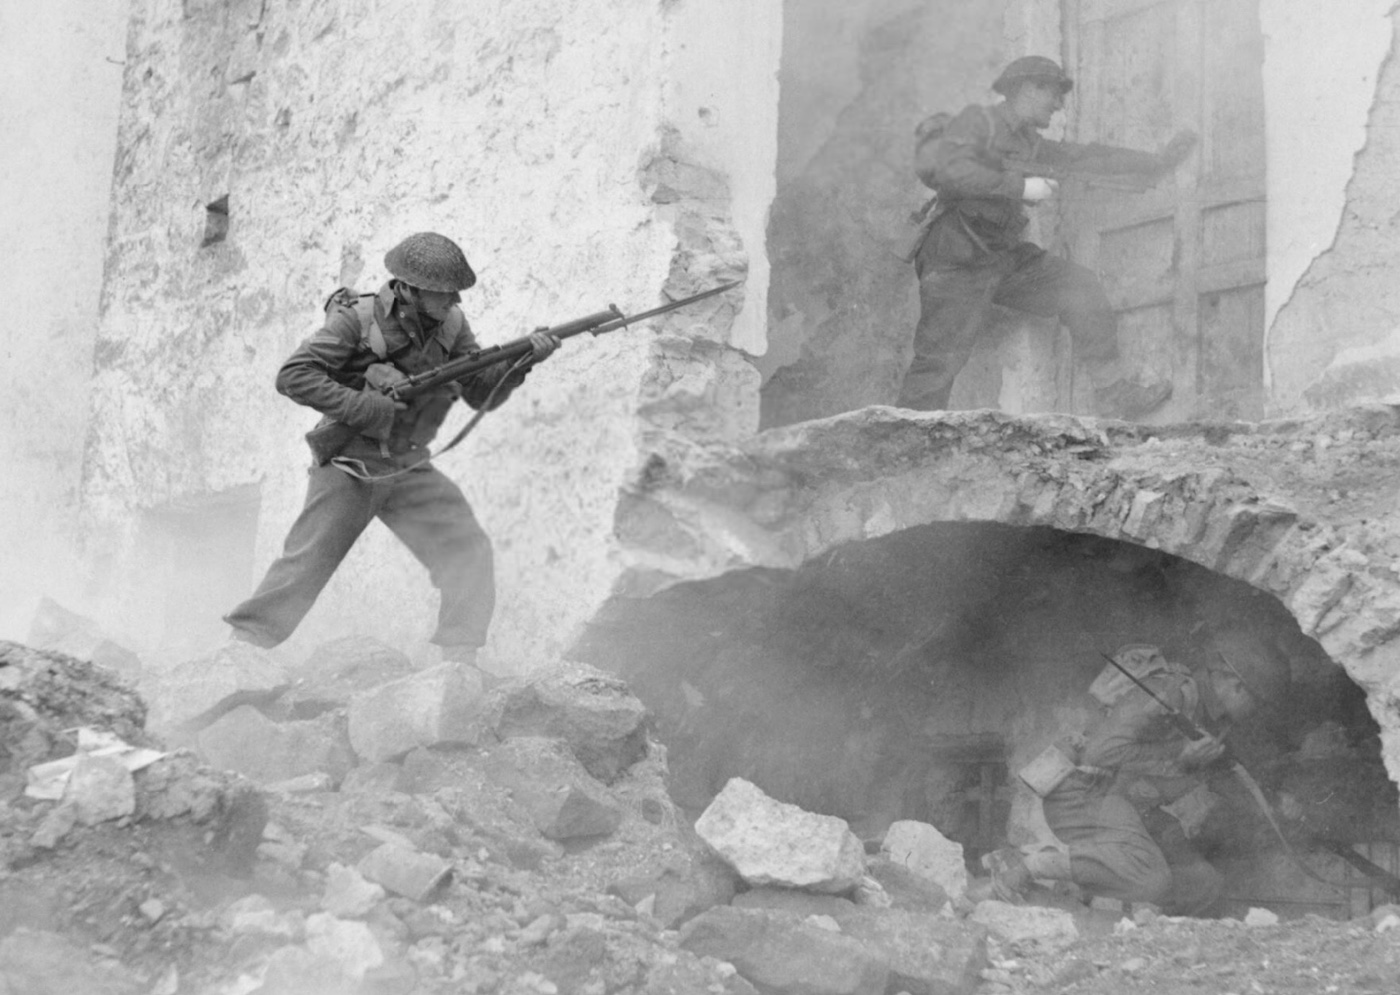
point(913, 675)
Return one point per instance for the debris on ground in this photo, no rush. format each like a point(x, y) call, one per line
point(518, 839)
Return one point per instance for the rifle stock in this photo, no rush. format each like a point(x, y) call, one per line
point(329, 440)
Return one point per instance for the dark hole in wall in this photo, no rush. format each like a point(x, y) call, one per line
point(215, 222)
point(912, 676)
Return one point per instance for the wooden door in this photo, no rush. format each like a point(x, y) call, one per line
point(1183, 263)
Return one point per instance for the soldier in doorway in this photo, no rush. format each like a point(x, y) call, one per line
point(1134, 794)
point(412, 325)
point(987, 165)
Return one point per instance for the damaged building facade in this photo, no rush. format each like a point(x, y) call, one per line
point(713, 506)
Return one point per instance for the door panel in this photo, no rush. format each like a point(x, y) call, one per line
point(1183, 263)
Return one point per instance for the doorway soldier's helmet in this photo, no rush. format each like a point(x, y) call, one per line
point(430, 261)
point(1032, 69)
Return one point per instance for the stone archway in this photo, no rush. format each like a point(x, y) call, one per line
point(761, 567)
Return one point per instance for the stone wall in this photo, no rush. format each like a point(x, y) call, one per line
point(271, 152)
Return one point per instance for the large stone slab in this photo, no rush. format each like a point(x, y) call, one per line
point(595, 713)
point(773, 843)
point(439, 706)
point(247, 741)
point(782, 954)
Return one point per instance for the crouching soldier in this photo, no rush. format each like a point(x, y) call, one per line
point(369, 343)
point(1133, 793)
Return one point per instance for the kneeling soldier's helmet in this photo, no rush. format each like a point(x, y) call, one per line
point(430, 261)
point(1032, 69)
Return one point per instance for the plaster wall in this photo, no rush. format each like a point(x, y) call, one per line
point(538, 134)
point(1331, 116)
point(58, 111)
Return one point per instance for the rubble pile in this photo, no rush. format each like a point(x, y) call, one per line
point(520, 841)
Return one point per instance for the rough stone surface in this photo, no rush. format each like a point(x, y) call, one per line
point(595, 713)
point(35, 962)
point(927, 852)
point(337, 670)
point(440, 705)
point(781, 953)
point(100, 788)
point(44, 693)
point(249, 742)
point(1053, 929)
point(193, 694)
point(926, 954)
point(771, 842)
point(563, 800)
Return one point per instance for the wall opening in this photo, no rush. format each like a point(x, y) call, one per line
point(215, 222)
point(195, 562)
point(912, 676)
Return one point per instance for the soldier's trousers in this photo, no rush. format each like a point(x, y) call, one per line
point(1113, 853)
point(423, 508)
point(956, 301)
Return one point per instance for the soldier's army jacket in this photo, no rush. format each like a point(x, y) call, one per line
point(327, 373)
point(979, 163)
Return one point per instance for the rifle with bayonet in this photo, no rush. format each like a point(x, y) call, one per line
point(328, 440)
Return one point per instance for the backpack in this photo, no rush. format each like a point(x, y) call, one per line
point(927, 133)
point(371, 336)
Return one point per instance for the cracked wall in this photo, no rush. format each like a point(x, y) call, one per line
point(575, 151)
point(1331, 121)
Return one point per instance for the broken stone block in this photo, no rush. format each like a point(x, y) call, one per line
point(247, 741)
point(779, 952)
point(1051, 929)
point(595, 713)
point(438, 706)
point(194, 694)
point(561, 799)
point(772, 842)
point(338, 670)
point(100, 788)
point(421, 877)
point(926, 955)
point(928, 853)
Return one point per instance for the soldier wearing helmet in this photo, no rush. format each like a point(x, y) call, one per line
point(1134, 791)
point(369, 343)
point(987, 165)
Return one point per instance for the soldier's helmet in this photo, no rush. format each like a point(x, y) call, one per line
point(1032, 68)
point(1245, 657)
point(430, 261)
